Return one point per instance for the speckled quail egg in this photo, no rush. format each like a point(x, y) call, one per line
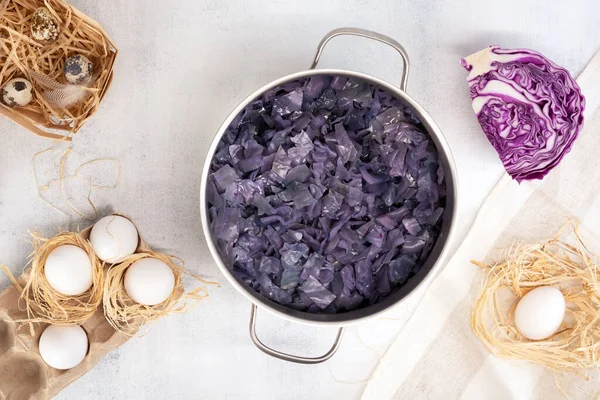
point(17, 92)
point(78, 69)
point(43, 26)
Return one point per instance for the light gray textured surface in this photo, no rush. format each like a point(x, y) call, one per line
point(182, 66)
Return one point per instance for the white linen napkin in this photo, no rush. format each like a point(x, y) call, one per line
point(436, 355)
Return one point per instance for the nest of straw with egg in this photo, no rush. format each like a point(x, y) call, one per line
point(563, 262)
point(44, 303)
point(127, 316)
point(42, 64)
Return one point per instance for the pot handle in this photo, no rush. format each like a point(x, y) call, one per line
point(291, 357)
point(369, 35)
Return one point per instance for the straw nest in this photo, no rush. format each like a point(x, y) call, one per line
point(127, 316)
point(42, 64)
point(563, 262)
point(43, 303)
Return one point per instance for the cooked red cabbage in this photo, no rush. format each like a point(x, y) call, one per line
point(530, 109)
point(325, 194)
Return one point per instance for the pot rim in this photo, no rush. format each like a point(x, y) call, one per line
point(450, 172)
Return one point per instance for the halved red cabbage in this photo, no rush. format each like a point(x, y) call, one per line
point(326, 194)
point(530, 109)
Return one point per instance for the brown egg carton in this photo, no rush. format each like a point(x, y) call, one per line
point(78, 34)
point(23, 373)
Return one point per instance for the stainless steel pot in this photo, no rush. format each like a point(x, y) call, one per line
point(438, 255)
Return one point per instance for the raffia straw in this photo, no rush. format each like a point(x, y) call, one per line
point(22, 56)
point(37, 185)
point(11, 277)
point(127, 316)
point(43, 303)
point(76, 175)
point(567, 265)
point(96, 160)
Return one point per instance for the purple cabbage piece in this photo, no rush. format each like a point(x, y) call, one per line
point(272, 291)
point(348, 281)
point(224, 177)
point(303, 198)
point(300, 173)
point(303, 145)
point(365, 282)
point(315, 85)
point(226, 224)
point(262, 205)
point(400, 268)
point(346, 149)
point(411, 225)
point(212, 195)
point(270, 265)
point(325, 194)
point(332, 203)
point(530, 109)
point(289, 103)
point(250, 164)
point(291, 254)
point(313, 265)
point(317, 292)
point(290, 278)
point(282, 163)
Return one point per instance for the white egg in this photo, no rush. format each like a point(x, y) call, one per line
point(17, 92)
point(68, 269)
point(63, 346)
point(113, 238)
point(149, 281)
point(540, 313)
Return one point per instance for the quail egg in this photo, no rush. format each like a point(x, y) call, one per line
point(78, 69)
point(17, 92)
point(43, 26)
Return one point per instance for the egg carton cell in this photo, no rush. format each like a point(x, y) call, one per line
point(24, 376)
point(7, 334)
point(98, 330)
